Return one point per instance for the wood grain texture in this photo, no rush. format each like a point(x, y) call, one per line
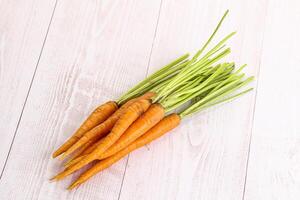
point(206, 157)
point(274, 162)
point(23, 28)
point(95, 50)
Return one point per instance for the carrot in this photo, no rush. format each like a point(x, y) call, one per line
point(83, 153)
point(106, 126)
point(147, 96)
point(92, 147)
point(132, 113)
point(166, 124)
point(97, 132)
point(74, 161)
point(99, 115)
point(80, 151)
point(151, 117)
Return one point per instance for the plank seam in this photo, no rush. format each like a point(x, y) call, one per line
point(28, 92)
point(155, 33)
point(119, 196)
point(254, 107)
point(147, 72)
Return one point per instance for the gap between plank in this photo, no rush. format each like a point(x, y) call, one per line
point(254, 106)
point(29, 89)
point(147, 72)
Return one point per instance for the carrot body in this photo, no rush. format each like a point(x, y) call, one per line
point(74, 161)
point(103, 128)
point(83, 153)
point(146, 96)
point(165, 125)
point(151, 117)
point(80, 151)
point(92, 148)
point(132, 113)
point(99, 115)
point(148, 119)
point(83, 150)
point(97, 132)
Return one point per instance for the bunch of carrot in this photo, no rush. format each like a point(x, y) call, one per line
point(115, 129)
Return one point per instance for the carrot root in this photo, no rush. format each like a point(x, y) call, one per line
point(132, 113)
point(148, 119)
point(165, 125)
point(74, 161)
point(99, 115)
point(106, 126)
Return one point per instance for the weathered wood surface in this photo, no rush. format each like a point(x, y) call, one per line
point(23, 30)
point(58, 60)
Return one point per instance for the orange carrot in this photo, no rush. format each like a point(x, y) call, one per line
point(132, 113)
point(92, 147)
point(97, 132)
point(147, 96)
point(82, 150)
point(74, 161)
point(106, 126)
point(83, 153)
point(151, 117)
point(99, 115)
point(166, 124)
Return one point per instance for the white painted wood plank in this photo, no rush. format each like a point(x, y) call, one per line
point(206, 157)
point(94, 51)
point(274, 162)
point(23, 28)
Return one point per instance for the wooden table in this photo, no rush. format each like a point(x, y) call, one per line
point(59, 59)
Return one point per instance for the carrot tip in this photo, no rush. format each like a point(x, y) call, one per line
point(58, 177)
point(57, 153)
point(53, 179)
point(73, 185)
point(54, 155)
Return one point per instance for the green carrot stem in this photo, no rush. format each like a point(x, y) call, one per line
point(220, 69)
point(182, 77)
point(178, 100)
point(215, 96)
point(154, 79)
point(231, 77)
point(196, 66)
point(211, 36)
point(171, 105)
point(202, 64)
point(157, 73)
point(157, 81)
point(171, 84)
point(227, 99)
